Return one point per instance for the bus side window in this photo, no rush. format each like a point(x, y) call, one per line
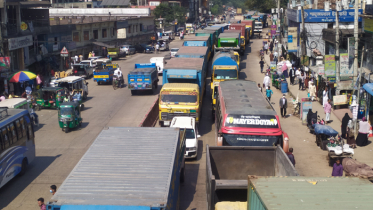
point(18, 126)
point(23, 127)
point(12, 132)
point(4, 135)
point(10, 135)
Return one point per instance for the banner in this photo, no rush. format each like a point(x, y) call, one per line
point(368, 25)
point(4, 63)
point(345, 71)
point(306, 105)
point(330, 65)
point(292, 39)
point(351, 53)
point(273, 30)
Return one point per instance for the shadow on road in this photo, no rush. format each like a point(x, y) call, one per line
point(15, 186)
point(36, 128)
point(188, 189)
point(242, 75)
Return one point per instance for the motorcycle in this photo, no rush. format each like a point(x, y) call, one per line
point(116, 82)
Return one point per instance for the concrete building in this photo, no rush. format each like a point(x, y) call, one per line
point(138, 30)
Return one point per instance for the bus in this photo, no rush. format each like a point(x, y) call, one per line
point(17, 143)
point(243, 117)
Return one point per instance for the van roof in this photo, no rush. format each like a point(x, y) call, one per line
point(183, 122)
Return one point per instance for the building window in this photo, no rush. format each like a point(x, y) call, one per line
point(140, 27)
point(95, 34)
point(104, 33)
point(129, 29)
point(76, 37)
point(55, 40)
point(154, 3)
point(86, 35)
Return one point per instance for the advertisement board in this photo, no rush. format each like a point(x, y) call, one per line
point(306, 105)
point(345, 71)
point(368, 25)
point(292, 39)
point(329, 65)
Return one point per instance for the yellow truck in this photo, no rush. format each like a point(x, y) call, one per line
point(179, 99)
point(221, 73)
point(115, 53)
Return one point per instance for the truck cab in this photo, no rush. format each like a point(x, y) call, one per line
point(191, 134)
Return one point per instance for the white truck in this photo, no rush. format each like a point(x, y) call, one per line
point(159, 62)
point(191, 134)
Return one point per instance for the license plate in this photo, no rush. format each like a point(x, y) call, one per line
point(103, 76)
point(166, 122)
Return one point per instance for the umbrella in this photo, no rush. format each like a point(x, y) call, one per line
point(22, 76)
point(325, 129)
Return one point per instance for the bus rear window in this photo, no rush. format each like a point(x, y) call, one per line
point(252, 121)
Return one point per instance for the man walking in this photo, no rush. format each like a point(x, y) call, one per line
point(283, 105)
point(261, 62)
point(269, 93)
point(292, 75)
point(157, 48)
point(271, 57)
point(266, 81)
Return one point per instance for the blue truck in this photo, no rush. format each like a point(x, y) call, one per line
point(199, 41)
point(126, 168)
point(143, 77)
point(193, 52)
point(104, 74)
point(186, 70)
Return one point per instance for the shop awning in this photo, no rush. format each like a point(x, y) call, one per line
point(369, 88)
point(103, 44)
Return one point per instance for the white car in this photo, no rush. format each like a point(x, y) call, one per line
point(94, 58)
point(188, 124)
point(173, 52)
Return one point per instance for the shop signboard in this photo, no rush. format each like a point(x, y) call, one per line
point(273, 30)
point(4, 63)
point(339, 100)
point(292, 39)
point(321, 70)
point(331, 79)
point(351, 53)
point(319, 16)
point(20, 42)
point(329, 65)
point(368, 25)
point(272, 66)
point(306, 105)
point(345, 71)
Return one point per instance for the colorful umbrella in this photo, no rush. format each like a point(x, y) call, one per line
point(22, 76)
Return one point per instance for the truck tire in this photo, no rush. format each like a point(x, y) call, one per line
point(133, 92)
point(23, 167)
point(182, 175)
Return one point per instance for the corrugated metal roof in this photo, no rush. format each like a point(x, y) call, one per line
point(124, 166)
point(243, 97)
point(202, 31)
point(185, 63)
point(232, 31)
point(115, 2)
point(311, 193)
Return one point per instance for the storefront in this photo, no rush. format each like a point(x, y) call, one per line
point(16, 51)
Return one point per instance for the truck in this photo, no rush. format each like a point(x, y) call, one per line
point(245, 32)
point(159, 63)
point(199, 41)
point(250, 24)
point(193, 52)
point(258, 24)
point(229, 41)
point(228, 167)
point(239, 11)
point(115, 52)
point(226, 58)
point(143, 77)
point(104, 73)
point(123, 170)
point(242, 37)
point(189, 28)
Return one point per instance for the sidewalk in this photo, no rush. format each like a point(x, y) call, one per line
point(362, 154)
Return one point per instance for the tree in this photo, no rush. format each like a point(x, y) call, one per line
point(264, 5)
point(170, 13)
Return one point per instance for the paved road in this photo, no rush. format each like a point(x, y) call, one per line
point(57, 153)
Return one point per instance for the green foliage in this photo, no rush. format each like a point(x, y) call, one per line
point(264, 5)
point(170, 13)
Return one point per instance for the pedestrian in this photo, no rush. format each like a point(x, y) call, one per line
point(337, 168)
point(292, 75)
point(275, 54)
point(53, 189)
point(306, 70)
point(157, 47)
point(275, 60)
point(325, 96)
point(266, 48)
point(344, 127)
point(312, 91)
point(327, 110)
point(90, 54)
point(291, 156)
point(260, 88)
point(41, 204)
point(271, 56)
point(269, 93)
point(76, 59)
point(362, 137)
point(266, 81)
point(283, 105)
point(271, 47)
point(261, 62)
point(301, 81)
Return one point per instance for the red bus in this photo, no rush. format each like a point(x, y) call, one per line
point(243, 117)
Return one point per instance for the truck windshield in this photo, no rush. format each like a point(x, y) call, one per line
point(179, 98)
point(189, 134)
point(258, 24)
point(66, 111)
point(225, 74)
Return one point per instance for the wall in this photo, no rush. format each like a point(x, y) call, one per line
point(134, 24)
point(314, 33)
point(86, 32)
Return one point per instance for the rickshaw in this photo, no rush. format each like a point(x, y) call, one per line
point(49, 97)
point(69, 116)
point(76, 89)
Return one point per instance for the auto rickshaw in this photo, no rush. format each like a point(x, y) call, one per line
point(49, 97)
point(69, 116)
point(76, 89)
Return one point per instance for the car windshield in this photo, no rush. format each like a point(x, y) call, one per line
point(66, 111)
point(225, 74)
point(189, 134)
point(174, 50)
point(179, 98)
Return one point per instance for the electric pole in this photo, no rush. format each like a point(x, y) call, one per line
point(278, 27)
point(337, 60)
point(303, 34)
point(356, 73)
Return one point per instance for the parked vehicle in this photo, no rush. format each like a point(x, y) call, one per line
point(104, 73)
point(146, 178)
point(242, 41)
point(98, 63)
point(128, 49)
point(143, 77)
point(191, 134)
point(115, 52)
point(193, 52)
point(143, 48)
point(189, 28)
point(227, 58)
point(49, 97)
point(180, 29)
point(95, 57)
point(69, 116)
point(173, 52)
point(227, 169)
point(169, 34)
point(82, 70)
point(163, 45)
point(199, 41)
point(250, 23)
point(245, 32)
point(87, 62)
point(159, 63)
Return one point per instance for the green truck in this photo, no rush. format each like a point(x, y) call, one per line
point(230, 41)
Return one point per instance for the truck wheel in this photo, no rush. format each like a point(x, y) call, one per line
point(66, 130)
point(182, 175)
point(98, 83)
point(133, 92)
point(23, 167)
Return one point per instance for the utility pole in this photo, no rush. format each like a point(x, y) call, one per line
point(337, 60)
point(356, 35)
point(303, 34)
point(278, 26)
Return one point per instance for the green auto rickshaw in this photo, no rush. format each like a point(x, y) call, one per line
point(69, 116)
point(49, 97)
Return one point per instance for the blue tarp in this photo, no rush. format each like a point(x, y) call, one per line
point(325, 129)
point(369, 88)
